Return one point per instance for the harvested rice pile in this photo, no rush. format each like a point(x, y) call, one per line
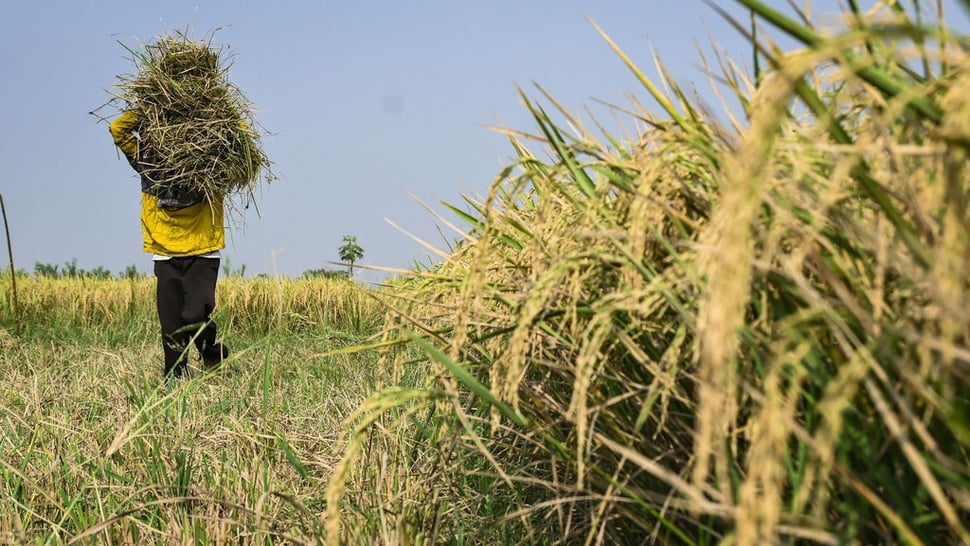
point(196, 129)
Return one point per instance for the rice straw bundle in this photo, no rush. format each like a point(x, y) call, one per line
point(196, 129)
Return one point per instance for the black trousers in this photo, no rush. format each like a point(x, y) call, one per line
point(186, 296)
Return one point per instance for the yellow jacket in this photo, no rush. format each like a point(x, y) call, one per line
point(190, 231)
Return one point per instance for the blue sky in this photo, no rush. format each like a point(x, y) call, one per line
point(368, 103)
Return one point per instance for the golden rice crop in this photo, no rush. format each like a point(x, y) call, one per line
point(744, 334)
point(256, 306)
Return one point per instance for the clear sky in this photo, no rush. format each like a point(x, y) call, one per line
point(370, 102)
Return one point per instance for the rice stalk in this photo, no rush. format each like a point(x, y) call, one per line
point(727, 268)
point(197, 131)
point(711, 335)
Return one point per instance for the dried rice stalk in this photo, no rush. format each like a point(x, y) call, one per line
point(196, 129)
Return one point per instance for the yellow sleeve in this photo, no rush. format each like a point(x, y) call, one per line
point(121, 131)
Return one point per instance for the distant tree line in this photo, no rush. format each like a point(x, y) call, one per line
point(325, 274)
point(350, 252)
point(71, 270)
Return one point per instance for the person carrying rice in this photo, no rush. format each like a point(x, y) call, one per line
point(183, 131)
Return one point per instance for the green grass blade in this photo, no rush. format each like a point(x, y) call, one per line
point(292, 458)
point(755, 57)
point(479, 224)
point(556, 140)
point(468, 380)
point(267, 380)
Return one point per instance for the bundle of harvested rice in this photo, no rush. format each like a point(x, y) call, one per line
point(196, 129)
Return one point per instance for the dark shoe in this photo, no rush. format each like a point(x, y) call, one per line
point(177, 371)
point(213, 356)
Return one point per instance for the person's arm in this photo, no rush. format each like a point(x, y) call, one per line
point(122, 131)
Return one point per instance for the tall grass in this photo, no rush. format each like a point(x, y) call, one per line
point(739, 333)
point(96, 449)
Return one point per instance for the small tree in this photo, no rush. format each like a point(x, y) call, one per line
point(46, 270)
point(350, 252)
point(229, 271)
point(71, 269)
point(130, 272)
point(99, 272)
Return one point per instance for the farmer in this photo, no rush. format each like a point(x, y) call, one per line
point(184, 231)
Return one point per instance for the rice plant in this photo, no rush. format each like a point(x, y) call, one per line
point(732, 333)
point(120, 308)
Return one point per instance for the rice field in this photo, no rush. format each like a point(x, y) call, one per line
point(743, 327)
point(94, 444)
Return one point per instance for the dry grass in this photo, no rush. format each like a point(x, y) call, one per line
point(197, 131)
point(96, 448)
